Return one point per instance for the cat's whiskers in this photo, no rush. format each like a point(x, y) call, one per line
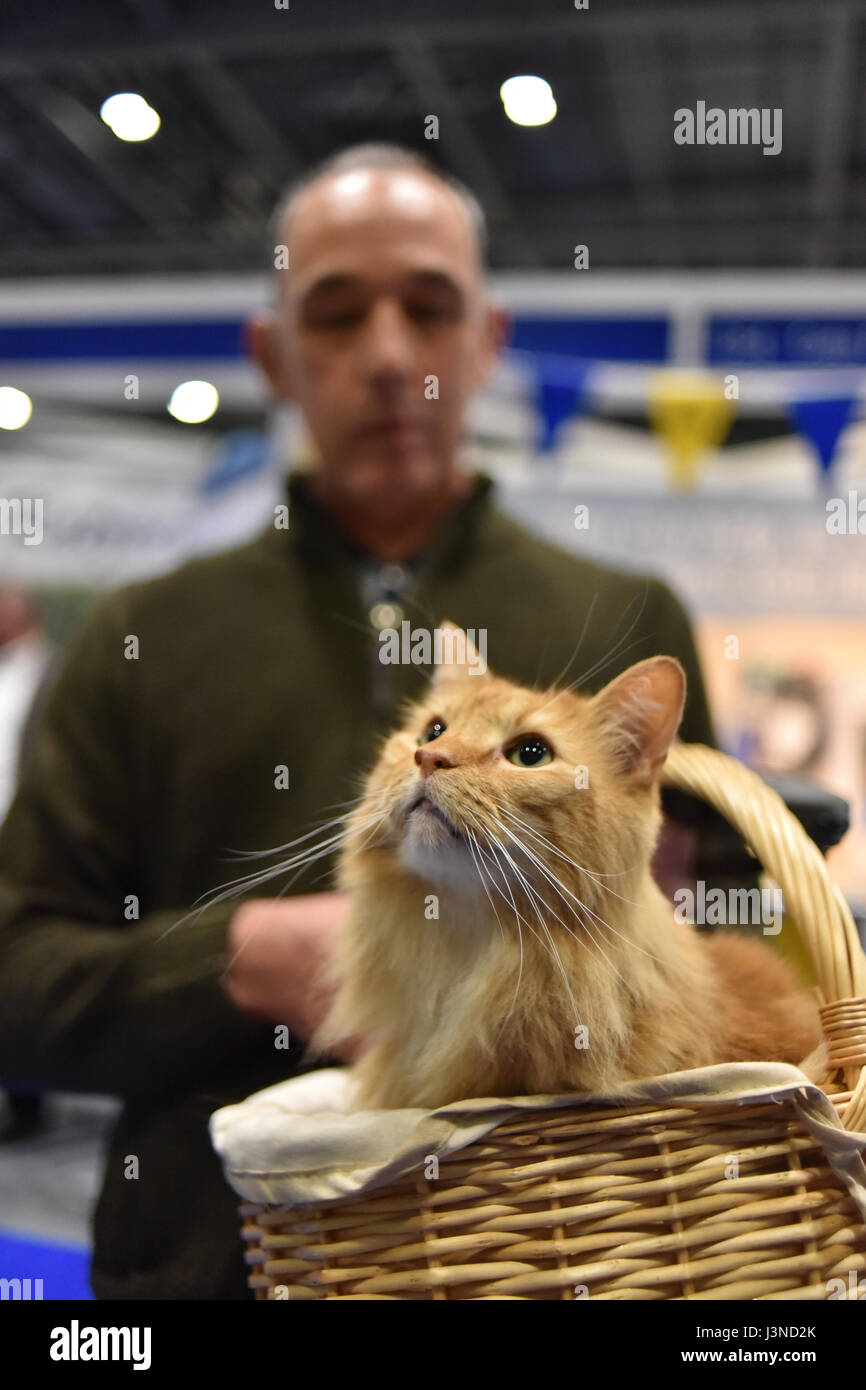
point(534, 899)
point(473, 847)
point(554, 684)
point(522, 880)
point(595, 875)
point(581, 905)
point(586, 908)
point(230, 853)
point(374, 822)
point(579, 901)
point(599, 665)
point(617, 649)
point(237, 887)
point(561, 889)
point(510, 902)
point(317, 828)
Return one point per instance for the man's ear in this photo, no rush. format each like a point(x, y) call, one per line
point(262, 342)
point(640, 712)
point(459, 657)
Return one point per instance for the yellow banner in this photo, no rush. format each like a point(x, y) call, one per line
point(692, 414)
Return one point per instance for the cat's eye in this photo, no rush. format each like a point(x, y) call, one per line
point(433, 730)
point(530, 750)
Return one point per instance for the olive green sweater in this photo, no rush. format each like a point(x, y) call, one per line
point(155, 752)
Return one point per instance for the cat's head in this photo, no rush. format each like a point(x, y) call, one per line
point(488, 784)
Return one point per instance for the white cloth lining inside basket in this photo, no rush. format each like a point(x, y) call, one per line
point(301, 1142)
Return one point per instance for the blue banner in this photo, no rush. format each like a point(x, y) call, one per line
point(634, 339)
point(560, 388)
point(822, 422)
point(111, 340)
point(801, 341)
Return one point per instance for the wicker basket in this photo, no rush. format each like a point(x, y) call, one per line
point(616, 1202)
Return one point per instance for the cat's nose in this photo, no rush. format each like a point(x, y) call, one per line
point(429, 759)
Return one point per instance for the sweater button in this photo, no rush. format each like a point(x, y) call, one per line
point(393, 578)
point(384, 615)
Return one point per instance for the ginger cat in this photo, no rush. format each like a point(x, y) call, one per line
point(502, 902)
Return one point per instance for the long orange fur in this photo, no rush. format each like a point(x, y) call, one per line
point(462, 990)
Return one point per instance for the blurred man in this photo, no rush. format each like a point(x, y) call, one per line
point(25, 659)
point(230, 704)
point(25, 656)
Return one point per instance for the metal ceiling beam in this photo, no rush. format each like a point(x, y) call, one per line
point(267, 158)
point(639, 99)
point(85, 133)
point(244, 122)
point(164, 251)
point(237, 115)
point(705, 242)
point(425, 76)
point(29, 189)
point(832, 114)
point(253, 35)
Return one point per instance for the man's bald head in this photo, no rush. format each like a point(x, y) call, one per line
point(370, 157)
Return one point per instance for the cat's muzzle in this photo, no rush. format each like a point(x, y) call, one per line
point(425, 806)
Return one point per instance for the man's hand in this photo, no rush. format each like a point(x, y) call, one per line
point(278, 951)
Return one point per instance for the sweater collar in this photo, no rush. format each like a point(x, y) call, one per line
point(318, 537)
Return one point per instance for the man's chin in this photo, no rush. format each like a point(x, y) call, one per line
point(393, 479)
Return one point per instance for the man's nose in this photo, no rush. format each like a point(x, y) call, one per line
point(429, 759)
point(388, 345)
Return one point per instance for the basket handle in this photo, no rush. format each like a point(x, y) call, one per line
point(819, 910)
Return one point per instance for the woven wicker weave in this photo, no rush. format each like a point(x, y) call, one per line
point(624, 1202)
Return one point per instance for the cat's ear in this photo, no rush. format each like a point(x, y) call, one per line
point(455, 655)
point(640, 712)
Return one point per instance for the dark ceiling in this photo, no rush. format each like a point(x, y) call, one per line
point(251, 95)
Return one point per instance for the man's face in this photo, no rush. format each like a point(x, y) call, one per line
point(383, 332)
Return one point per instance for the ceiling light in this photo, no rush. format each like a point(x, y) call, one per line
point(193, 401)
point(16, 408)
point(129, 116)
point(528, 100)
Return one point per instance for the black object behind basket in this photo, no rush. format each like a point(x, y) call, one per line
point(723, 860)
